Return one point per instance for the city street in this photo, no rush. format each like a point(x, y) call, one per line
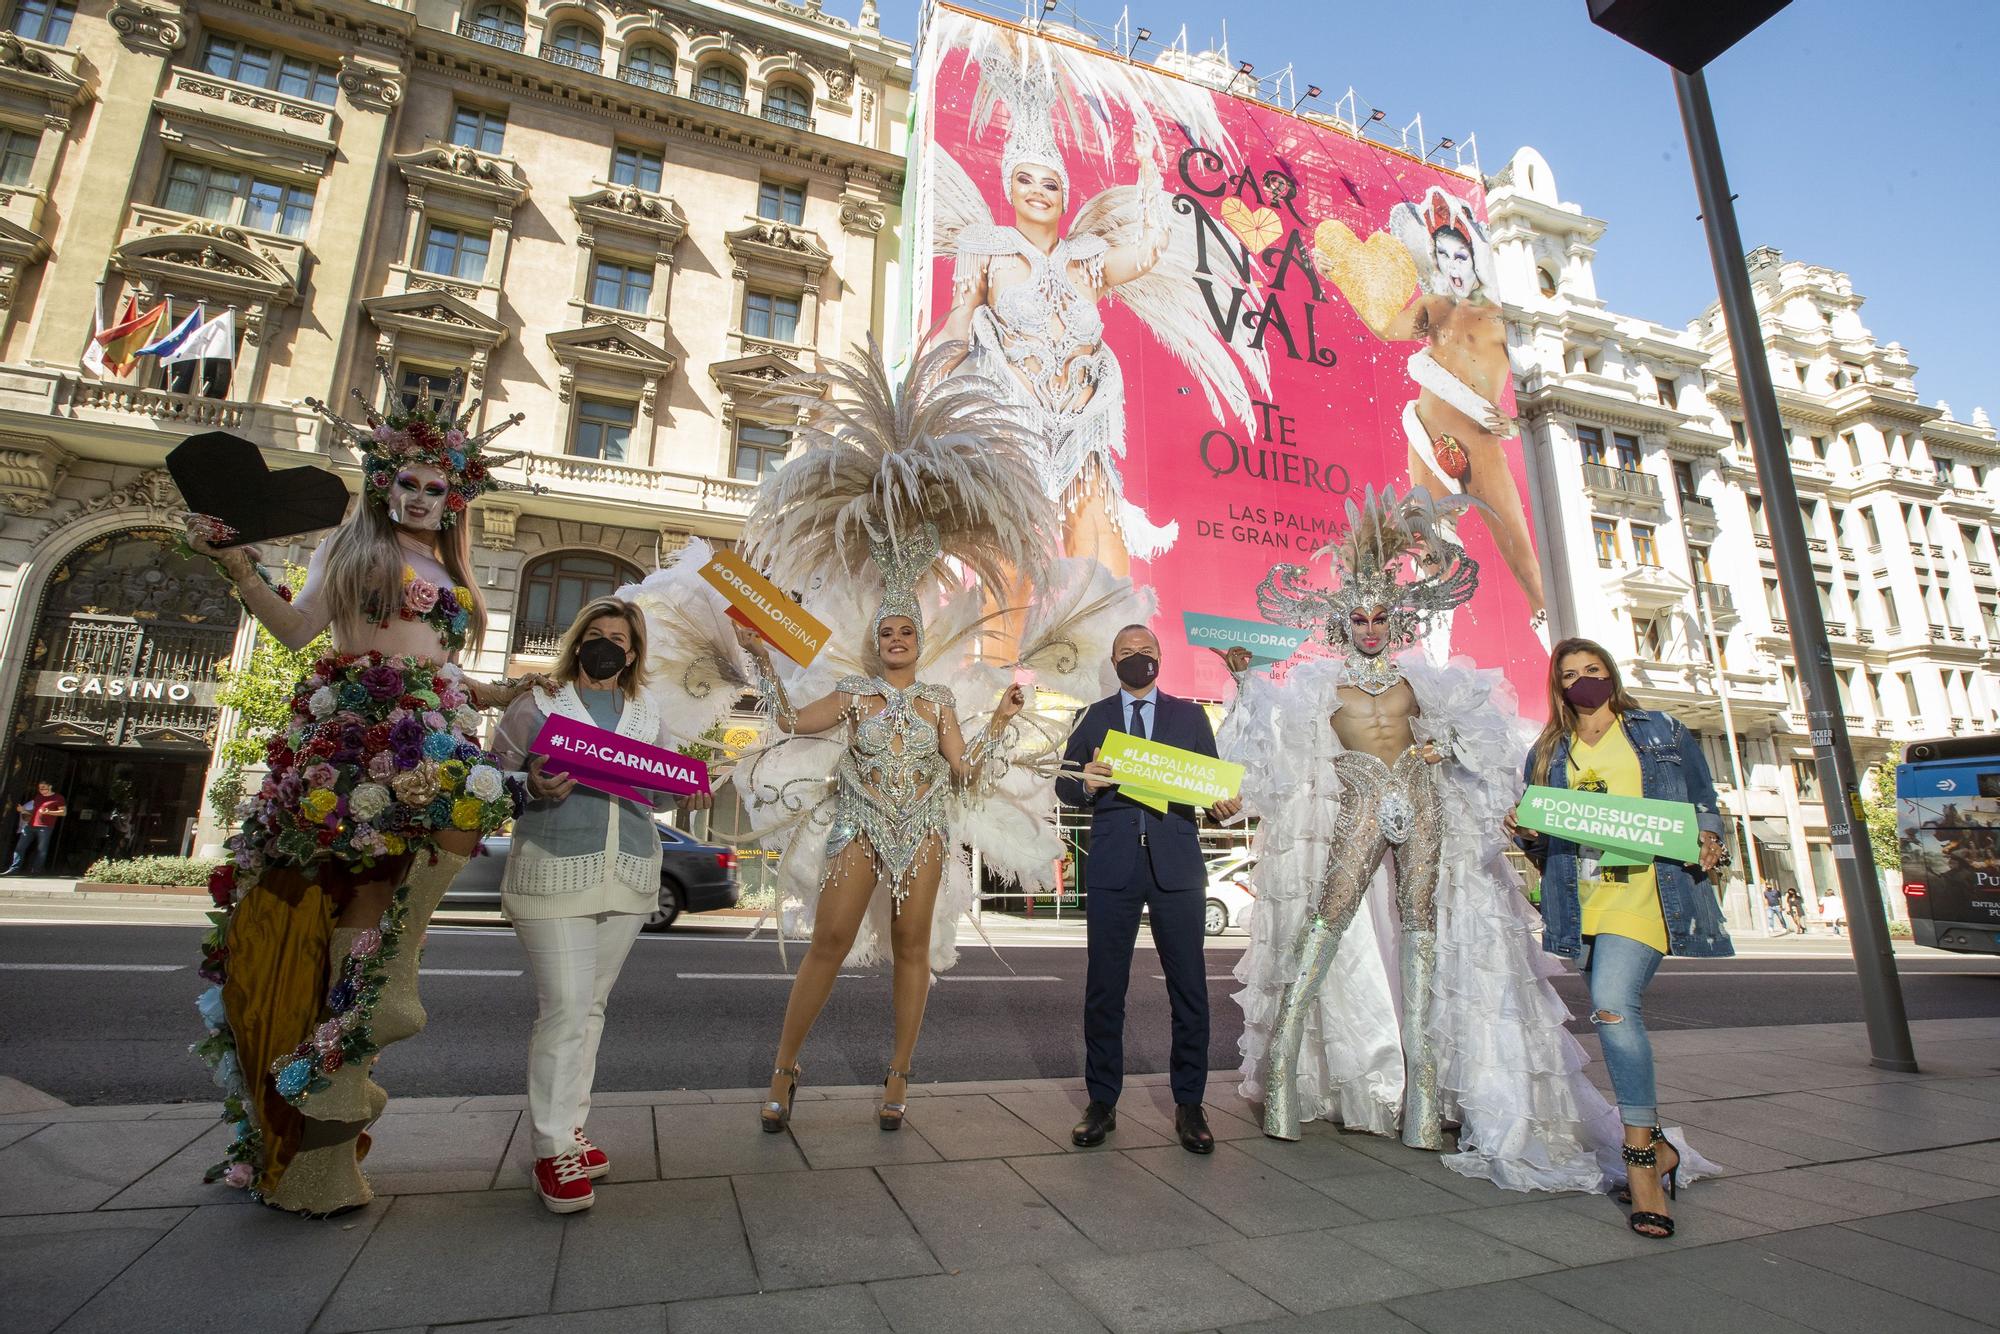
point(102, 1014)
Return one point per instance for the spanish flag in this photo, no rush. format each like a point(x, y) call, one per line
point(132, 330)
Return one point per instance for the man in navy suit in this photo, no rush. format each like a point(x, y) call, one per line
point(1141, 859)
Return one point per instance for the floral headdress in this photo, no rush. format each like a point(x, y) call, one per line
point(906, 477)
point(402, 437)
point(1383, 533)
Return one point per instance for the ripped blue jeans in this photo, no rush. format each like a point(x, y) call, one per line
point(1618, 969)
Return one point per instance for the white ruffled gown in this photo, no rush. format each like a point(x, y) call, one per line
point(1510, 1073)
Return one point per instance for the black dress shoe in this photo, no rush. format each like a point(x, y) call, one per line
point(1192, 1126)
point(1099, 1120)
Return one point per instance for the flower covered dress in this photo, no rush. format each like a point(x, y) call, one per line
point(378, 757)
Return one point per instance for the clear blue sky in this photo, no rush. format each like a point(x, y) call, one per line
point(1861, 136)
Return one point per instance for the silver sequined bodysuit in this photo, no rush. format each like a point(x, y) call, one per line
point(893, 783)
point(1384, 807)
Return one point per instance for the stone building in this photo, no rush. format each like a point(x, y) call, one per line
point(1652, 532)
point(623, 219)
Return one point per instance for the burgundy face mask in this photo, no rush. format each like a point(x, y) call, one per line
point(1587, 693)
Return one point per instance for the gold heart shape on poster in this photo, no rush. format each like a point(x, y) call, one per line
point(1255, 227)
point(1375, 276)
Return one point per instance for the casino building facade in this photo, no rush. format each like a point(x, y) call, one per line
point(624, 220)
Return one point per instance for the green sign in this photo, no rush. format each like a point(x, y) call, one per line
point(1632, 830)
point(1266, 642)
point(1155, 775)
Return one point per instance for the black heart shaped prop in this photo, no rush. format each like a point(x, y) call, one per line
point(224, 476)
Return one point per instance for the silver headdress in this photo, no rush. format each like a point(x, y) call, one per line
point(1383, 533)
point(1031, 127)
point(938, 472)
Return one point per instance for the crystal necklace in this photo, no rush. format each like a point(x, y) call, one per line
point(1372, 676)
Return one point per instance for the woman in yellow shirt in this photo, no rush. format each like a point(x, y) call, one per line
point(1619, 922)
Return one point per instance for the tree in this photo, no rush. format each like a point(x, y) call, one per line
point(261, 694)
point(1880, 808)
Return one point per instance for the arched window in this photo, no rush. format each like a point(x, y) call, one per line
point(788, 104)
point(721, 85)
point(648, 66)
point(553, 591)
point(496, 24)
point(576, 45)
point(1546, 281)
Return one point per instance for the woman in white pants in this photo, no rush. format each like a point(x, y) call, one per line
point(583, 876)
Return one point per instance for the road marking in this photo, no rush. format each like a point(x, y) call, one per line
point(471, 972)
point(996, 977)
point(1213, 977)
point(92, 967)
point(746, 977)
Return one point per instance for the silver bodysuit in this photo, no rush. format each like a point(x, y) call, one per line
point(892, 786)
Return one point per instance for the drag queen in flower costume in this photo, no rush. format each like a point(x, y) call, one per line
point(1394, 978)
point(377, 794)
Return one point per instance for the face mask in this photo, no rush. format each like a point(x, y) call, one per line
point(1138, 671)
point(1589, 692)
point(600, 659)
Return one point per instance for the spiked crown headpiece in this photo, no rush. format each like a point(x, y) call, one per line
point(423, 434)
point(1385, 537)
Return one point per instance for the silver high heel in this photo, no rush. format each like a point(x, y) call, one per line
point(890, 1115)
point(777, 1115)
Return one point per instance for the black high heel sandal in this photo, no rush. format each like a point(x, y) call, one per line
point(775, 1116)
point(1642, 1219)
point(1623, 1195)
point(890, 1115)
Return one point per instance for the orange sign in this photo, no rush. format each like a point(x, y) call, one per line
point(759, 604)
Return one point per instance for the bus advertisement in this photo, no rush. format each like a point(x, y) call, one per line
point(1948, 833)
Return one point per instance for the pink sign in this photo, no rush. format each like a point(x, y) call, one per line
point(1224, 321)
point(615, 764)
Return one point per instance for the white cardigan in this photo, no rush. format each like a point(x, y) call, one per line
point(563, 867)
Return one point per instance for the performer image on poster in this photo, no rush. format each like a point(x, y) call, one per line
point(1026, 296)
point(1457, 431)
point(1431, 1005)
point(377, 794)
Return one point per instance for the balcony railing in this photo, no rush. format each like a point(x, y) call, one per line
point(589, 64)
point(1717, 597)
point(537, 639)
point(645, 78)
point(494, 35)
point(716, 97)
point(798, 120)
point(1623, 481)
point(1696, 510)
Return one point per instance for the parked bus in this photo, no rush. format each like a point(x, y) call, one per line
point(1948, 832)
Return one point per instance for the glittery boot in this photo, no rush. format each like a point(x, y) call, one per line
point(324, 1176)
point(399, 1013)
point(1281, 1100)
point(1421, 1110)
point(349, 1094)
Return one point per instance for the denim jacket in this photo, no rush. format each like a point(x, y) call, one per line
point(1672, 768)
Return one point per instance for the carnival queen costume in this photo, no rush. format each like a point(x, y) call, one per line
point(1394, 978)
point(378, 757)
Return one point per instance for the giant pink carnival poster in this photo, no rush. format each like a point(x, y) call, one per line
point(1224, 321)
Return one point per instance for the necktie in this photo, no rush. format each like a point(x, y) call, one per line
point(1139, 718)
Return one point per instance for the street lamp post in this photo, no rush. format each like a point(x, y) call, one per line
point(1687, 42)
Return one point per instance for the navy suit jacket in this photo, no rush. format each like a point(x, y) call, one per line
point(1115, 821)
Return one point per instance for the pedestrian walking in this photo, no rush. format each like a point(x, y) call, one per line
point(1141, 859)
point(38, 817)
point(1774, 911)
point(582, 876)
point(1618, 923)
point(1795, 909)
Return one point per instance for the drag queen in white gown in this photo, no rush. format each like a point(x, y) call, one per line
point(1395, 979)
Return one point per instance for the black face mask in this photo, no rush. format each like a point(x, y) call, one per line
point(1587, 693)
point(1137, 672)
point(600, 659)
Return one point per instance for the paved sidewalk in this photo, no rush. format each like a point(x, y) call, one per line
point(1854, 1200)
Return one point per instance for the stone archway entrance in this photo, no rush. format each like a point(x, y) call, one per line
point(116, 707)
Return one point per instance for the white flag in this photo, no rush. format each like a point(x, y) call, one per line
point(214, 340)
point(93, 351)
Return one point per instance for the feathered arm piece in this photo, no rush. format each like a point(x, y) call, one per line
point(879, 465)
point(695, 670)
point(1076, 612)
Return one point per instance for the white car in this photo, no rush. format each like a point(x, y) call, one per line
point(1230, 895)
